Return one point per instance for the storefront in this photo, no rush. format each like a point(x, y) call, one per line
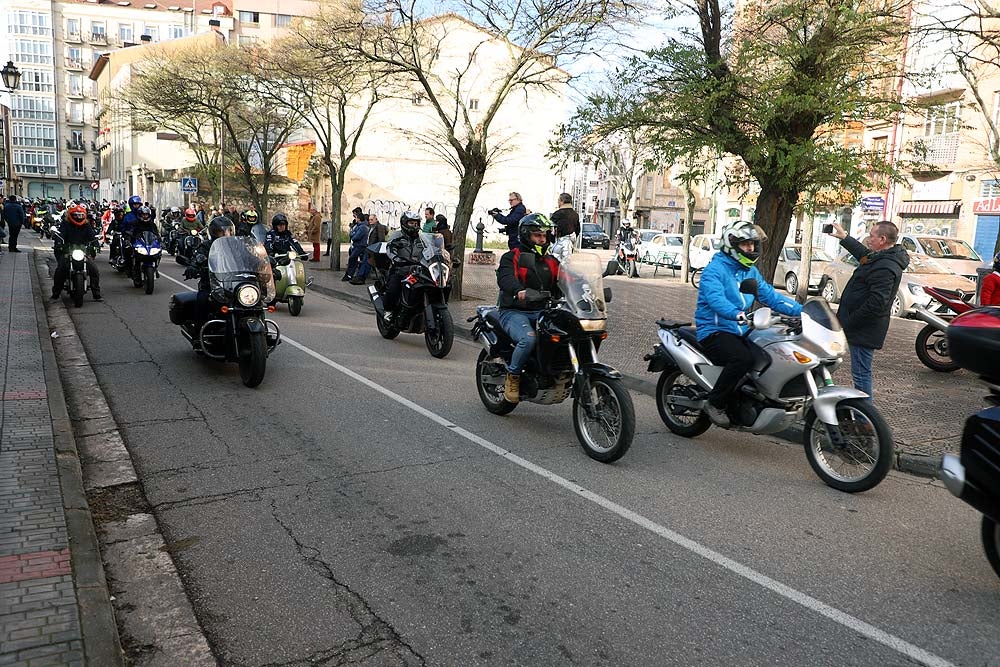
point(935, 218)
point(987, 212)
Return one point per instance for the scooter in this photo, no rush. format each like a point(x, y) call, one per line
point(848, 443)
point(931, 344)
point(290, 280)
point(974, 475)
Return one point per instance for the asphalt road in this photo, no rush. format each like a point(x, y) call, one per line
point(360, 506)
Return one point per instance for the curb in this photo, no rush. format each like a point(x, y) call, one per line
point(914, 464)
point(101, 643)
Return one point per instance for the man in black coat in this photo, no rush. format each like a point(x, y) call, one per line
point(510, 221)
point(868, 296)
point(13, 216)
point(565, 218)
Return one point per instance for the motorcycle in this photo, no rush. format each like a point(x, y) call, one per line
point(187, 242)
point(974, 475)
point(931, 344)
point(570, 330)
point(146, 252)
point(237, 328)
point(423, 306)
point(116, 254)
point(848, 443)
point(628, 256)
point(79, 279)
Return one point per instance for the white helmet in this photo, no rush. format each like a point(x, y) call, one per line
point(740, 232)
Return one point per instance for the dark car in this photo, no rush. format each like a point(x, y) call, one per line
point(593, 236)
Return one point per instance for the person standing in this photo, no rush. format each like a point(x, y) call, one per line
point(565, 218)
point(989, 293)
point(429, 222)
point(441, 227)
point(867, 299)
point(13, 216)
point(511, 221)
point(376, 234)
point(314, 230)
point(353, 256)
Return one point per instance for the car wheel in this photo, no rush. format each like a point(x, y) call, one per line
point(829, 291)
point(791, 283)
point(897, 307)
point(607, 245)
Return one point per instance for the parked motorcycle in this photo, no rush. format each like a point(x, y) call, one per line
point(974, 475)
point(145, 260)
point(932, 342)
point(847, 441)
point(237, 328)
point(290, 280)
point(628, 257)
point(423, 306)
point(570, 330)
point(79, 279)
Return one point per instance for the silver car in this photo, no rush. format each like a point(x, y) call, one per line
point(922, 271)
point(953, 253)
point(787, 274)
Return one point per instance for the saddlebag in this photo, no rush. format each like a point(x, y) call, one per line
point(182, 306)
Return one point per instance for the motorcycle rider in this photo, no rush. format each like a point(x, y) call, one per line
point(198, 265)
point(404, 248)
point(279, 239)
point(190, 221)
point(990, 292)
point(247, 220)
point(721, 318)
point(76, 230)
point(524, 273)
point(626, 232)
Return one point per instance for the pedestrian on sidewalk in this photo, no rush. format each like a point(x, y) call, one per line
point(359, 234)
point(868, 296)
point(352, 257)
point(441, 227)
point(376, 233)
point(313, 231)
point(429, 222)
point(565, 218)
point(989, 293)
point(511, 220)
point(13, 216)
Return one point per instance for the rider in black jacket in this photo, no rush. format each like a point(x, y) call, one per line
point(198, 266)
point(279, 239)
point(404, 248)
point(75, 230)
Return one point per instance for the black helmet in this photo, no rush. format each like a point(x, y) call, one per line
point(144, 213)
point(996, 262)
point(409, 222)
point(533, 222)
point(221, 226)
point(279, 219)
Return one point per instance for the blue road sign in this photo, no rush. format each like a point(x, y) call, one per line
point(189, 184)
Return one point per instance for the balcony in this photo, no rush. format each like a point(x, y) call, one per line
point(98, 38)
point(940, 150)
point(75, 120)
point(74, 64)
point(73, 37)
point(76, 147)
point(75, 92)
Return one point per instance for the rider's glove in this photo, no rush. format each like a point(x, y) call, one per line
point(742, 319)
point(190, 272)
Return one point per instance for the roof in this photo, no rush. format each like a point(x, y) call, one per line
point(126, 55)
point(224, 7)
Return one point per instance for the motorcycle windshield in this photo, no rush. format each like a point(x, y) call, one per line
point(259, 231)
point(433, 246)
point(233, 260)
point(148, 240)
point(821, 327)
point(582, 284)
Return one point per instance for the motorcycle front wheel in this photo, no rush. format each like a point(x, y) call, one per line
point(633, 269)
point(991, 542)
point(439, 343)
point(79, 288)
point(608, 435)
point(683, 421)
point(931, 347)
point(491, 395)
point(294, 305)
point(253, 359)
point(149, 278)
point(866, 455)
point(384, 330)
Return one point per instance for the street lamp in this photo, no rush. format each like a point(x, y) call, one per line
point(11, 76)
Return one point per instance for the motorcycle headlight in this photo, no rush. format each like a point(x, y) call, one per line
point(248, 295)
point(154, 251)
point(916, 290)
point(593, 325)
point(77, 255)
point(141, 250)
point(440, 273)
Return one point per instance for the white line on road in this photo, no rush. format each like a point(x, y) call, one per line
point(843, 618)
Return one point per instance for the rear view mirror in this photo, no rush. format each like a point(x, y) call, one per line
point(610, 270)
point(749, 286)
point(181, 259)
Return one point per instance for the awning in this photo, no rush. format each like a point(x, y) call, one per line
point(928, 208)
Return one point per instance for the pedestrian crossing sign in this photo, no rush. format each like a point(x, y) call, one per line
point(189, 184)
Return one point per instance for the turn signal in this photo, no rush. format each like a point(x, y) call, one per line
point(555, 338)
point(604, 335)
point(801, 358)
point(224, 309)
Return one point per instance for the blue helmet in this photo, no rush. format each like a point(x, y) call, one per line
point(134, 202)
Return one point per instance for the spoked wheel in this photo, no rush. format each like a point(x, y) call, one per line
point(696, 277)
point(866, 455)
point(897, 307)
point(991, 542)
point(439, 342)
point(78, 288)
point(149, 278)
point(490, 394)
point(608, 435)
point(253, 360)
point(932, 350)
point(680, 419)
point(294, 305)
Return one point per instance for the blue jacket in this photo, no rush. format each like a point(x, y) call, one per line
point(13, 213)
point(359, 235)
point(720, 299)
point(511, 221)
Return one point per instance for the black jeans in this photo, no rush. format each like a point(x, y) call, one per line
point(62, 272)
point(14, 230)
point(734, 353)
point(393, 287)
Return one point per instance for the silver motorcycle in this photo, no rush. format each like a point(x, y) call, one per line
point(847, 441)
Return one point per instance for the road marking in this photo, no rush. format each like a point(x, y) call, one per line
point(843, 618)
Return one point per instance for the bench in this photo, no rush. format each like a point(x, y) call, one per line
point(665, 259)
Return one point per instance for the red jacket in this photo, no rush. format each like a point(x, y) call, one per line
point(989, 295)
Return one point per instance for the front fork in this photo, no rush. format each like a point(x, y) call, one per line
point(581, 382)
point(829, 418)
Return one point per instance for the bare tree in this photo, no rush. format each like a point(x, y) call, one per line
point(526, 45)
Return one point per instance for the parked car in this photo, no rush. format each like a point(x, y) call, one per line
point(703, 246)
point(953, 253)
point(593, 236)
point(787, 273)
point(653, 245)
point(922, 271)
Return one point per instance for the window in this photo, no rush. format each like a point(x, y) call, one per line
point(74, 84)
point(76, 138)
point(175, 31)
point(29, 23)
point(36, 81)
point(908, 244)
point(75, 112)
point(282, 20)
point(943, 119)
point(74, 57)
point(33, 135)
point(32, 108)
point(73, 27)
point(989, 189)
point(473, 105)
point(31, 51)
point(125, 32)
point(418, 99)
point(33, 162)
point(78, 166)
point(153, 31)
point(97, 31)
point(249, 17)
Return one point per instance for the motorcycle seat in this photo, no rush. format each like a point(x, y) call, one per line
point(687, 334)
point(672, 324)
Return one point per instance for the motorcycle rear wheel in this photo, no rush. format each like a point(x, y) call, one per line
point(78, 289)
point(439, 344)
point(931, 347)
point(615, 420)
point(858, 419)
point(491, 395)
point(294, 305)
point(149, 278)
point(253, 360)
point(991, 542)
point(685, 422)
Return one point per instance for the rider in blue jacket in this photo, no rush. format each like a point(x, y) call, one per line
point(721, 315)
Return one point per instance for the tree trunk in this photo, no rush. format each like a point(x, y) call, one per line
point(774, 215)
point(337, 192)
point(468, 190)
point(686, 236)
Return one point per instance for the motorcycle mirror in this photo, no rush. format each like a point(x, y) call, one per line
point(607, 295)
point(181, 259)
point(749, 286)
point(53, 229)
point(610, 270)
point(761, 317)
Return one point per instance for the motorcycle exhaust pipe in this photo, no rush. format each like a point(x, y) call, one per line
point(930, 318)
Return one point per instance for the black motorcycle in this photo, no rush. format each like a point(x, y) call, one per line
point(79, 279)
point(423, 306)
point(232, 325)
point(186, 243)
point(974, 475)
point(570, 330)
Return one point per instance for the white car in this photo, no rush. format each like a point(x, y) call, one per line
point(953, 253)
point(703, 247)
point(654, 245)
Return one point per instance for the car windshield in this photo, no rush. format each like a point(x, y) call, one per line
point(818, 255)
point(647, 235)
point(949, 249)
point(673, 240)
point(923, 264)
point(592, 227)
point(581, 282)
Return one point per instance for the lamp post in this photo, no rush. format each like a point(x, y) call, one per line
point(11, 81)
point(11, 76)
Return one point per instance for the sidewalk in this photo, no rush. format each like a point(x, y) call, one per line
point(54, 607)
point(926, 409)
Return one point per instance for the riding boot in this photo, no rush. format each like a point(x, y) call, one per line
point(512, 388)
